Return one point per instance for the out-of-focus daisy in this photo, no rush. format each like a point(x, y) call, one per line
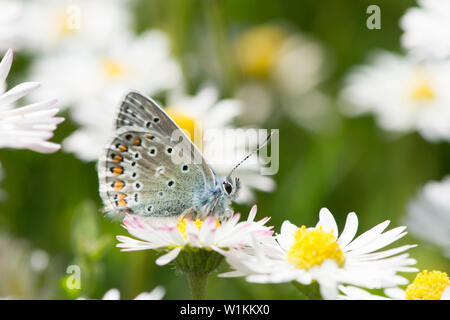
point(20, 277)
point(293, 61)
point(25, 127)
point(50, 25)
point(428, 285)
point(207, 120)
point(427, 29)
point(175, 236)
point(428, 214)
point(320, 254)
point(9, 23)
point(82, 75)
point(93, 82)
point(272, 57)
point(404, 95)
point(155, 294)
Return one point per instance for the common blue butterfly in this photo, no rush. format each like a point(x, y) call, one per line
point(138, 176)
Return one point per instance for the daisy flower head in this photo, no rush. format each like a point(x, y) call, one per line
point(207, 120)
point(184, 234)
point(403, 94)
point(322, 255)
point(275, 61)
point(427, 29)
point(293, 61)
point(427, 285)
point(30, 126)
point(83, 75)
point(428, 215)
point(92, 82)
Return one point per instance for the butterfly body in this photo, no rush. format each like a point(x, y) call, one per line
point(139, 173)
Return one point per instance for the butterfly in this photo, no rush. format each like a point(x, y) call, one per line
point(138, 174)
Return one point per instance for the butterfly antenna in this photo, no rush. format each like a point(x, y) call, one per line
point(253, 152)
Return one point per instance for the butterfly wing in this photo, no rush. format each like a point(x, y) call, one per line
point(137, 173)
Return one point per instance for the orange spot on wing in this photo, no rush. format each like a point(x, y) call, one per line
point(119, 184)
point(137, 141)
point(118, 170)
point(118, 158)
point(122, 202)
point(123, 148)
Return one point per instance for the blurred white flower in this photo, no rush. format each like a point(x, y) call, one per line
point(10, 11)
point(25, 127)
point(93, 83)
point(39, 260)
point(404, 95)
point(320, 254)
point(428, 214)
point(174, 236)
point(427, 29)
point(272, 57)
point(292, 60)
point(434, 285)
point(50, 25)
point(223, 146)
point(156, 294)
point(82, 75)
point(18, 278)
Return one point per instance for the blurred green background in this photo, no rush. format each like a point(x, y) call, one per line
point(52, 201)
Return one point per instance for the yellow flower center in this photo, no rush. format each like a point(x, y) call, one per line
point(198, 223)
point(313, 247)
point(427, 286)
point(113, 68)
point(423, 91)
point(184, 121)
point(258, 49)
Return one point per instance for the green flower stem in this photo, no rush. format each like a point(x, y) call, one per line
point(311, 292)
point(198, 283)
point(197, 264)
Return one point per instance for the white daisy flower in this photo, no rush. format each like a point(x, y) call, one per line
point(49, 25)
point(174, 236)
point(293, 61)
point(155, 294)
point(427, 29)
point(434, 285)
point(142, 63)
point(320, 254)
point(25, 127)
point(404, 95)
point(428, 214)
point(93, 82)
point(207, 121)
point(278, 63)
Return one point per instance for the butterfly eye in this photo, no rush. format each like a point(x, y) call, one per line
point(228, 188)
